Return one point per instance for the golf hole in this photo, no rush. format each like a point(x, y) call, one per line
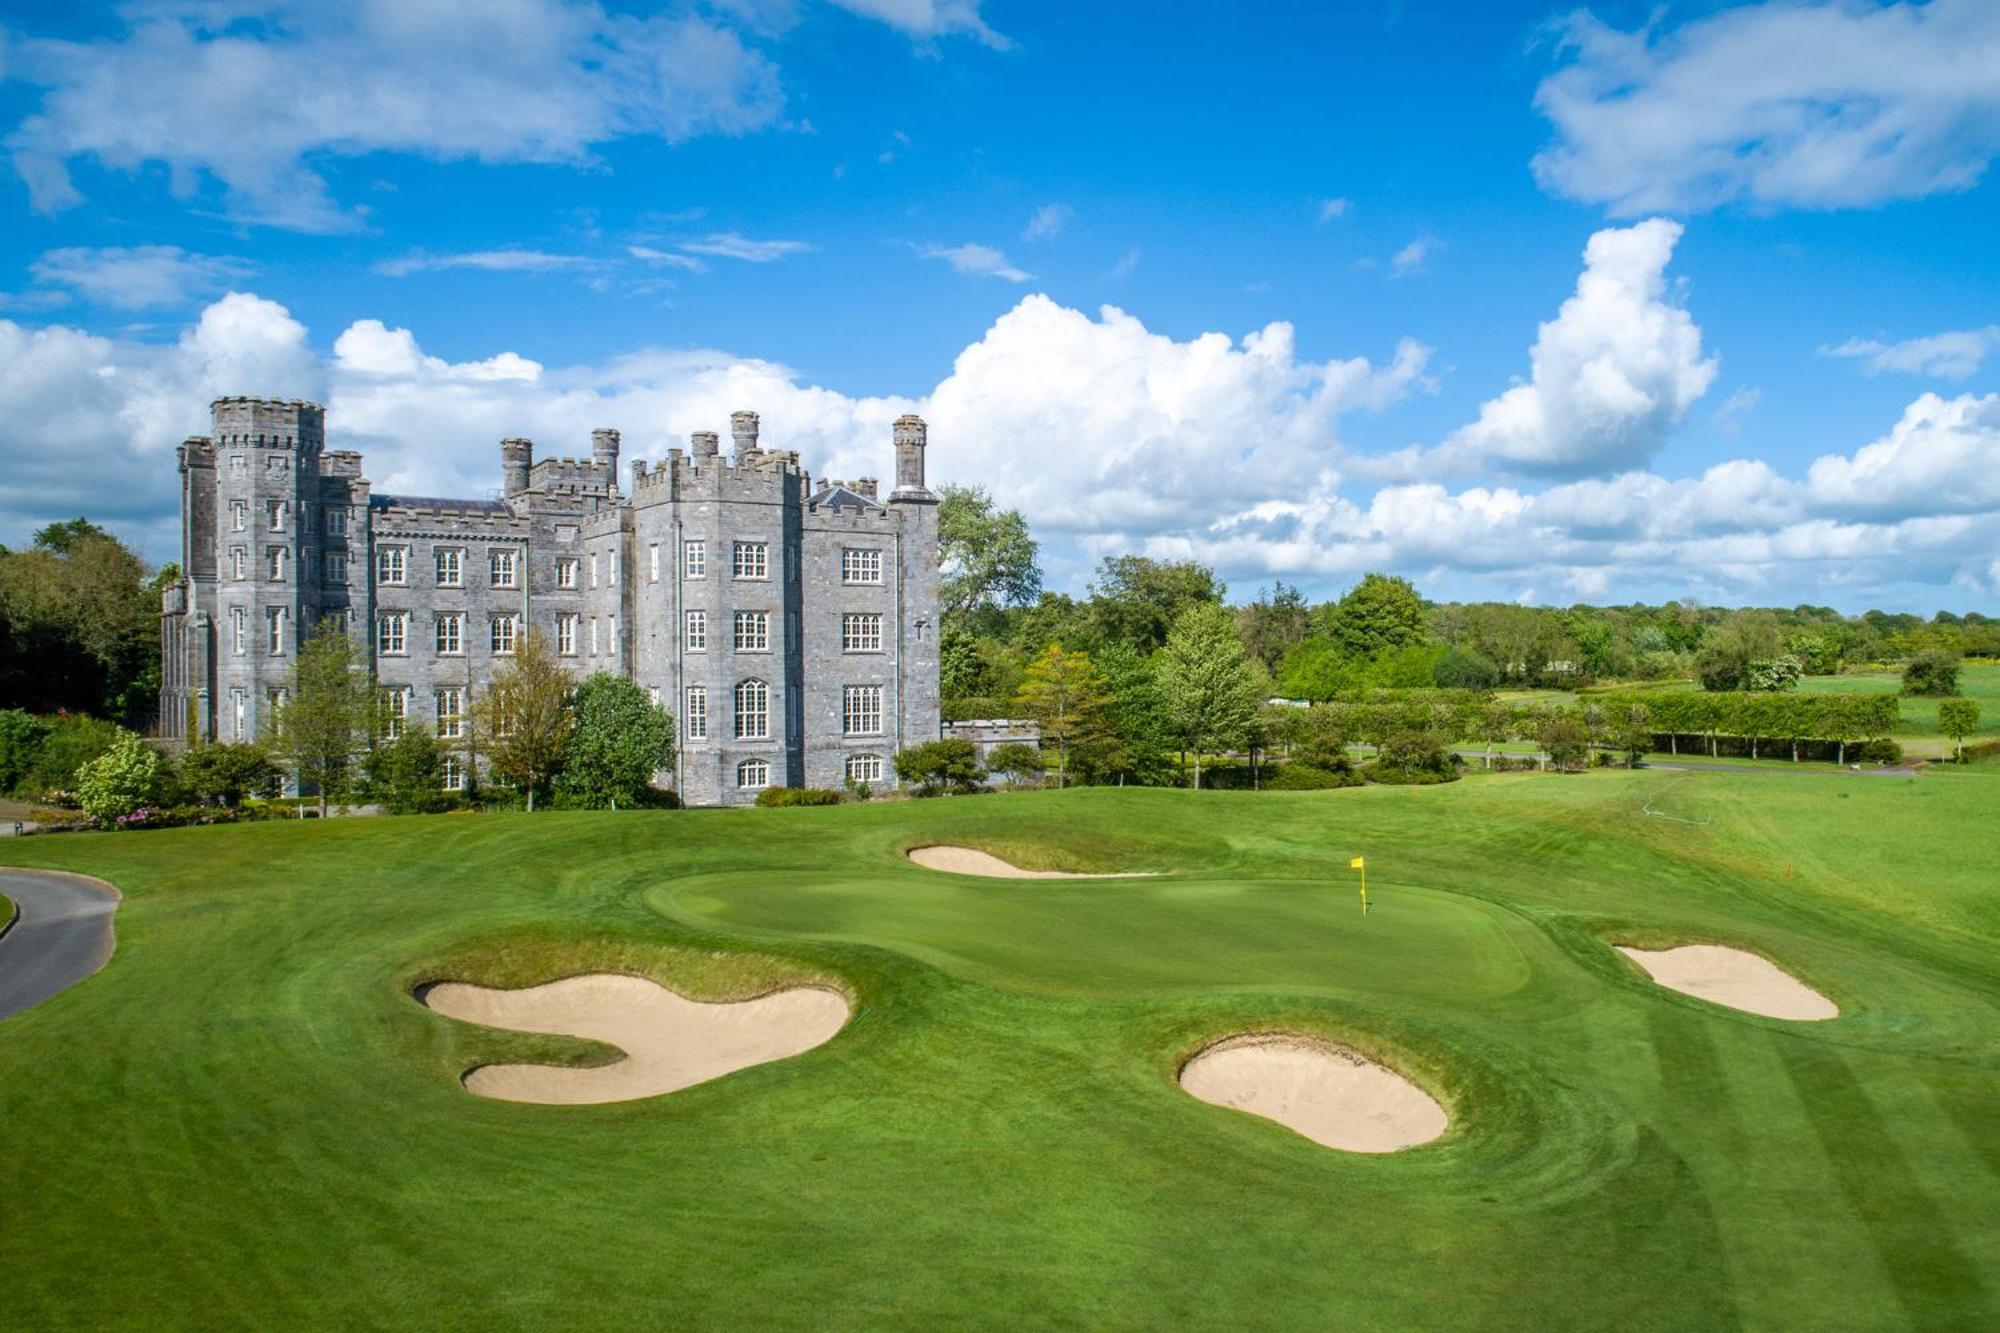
point(1331, 1095)
point(1735, 978)
point(670, 1042)
point(972, 861)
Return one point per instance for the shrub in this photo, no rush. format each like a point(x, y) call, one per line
point(74, 739)
point(788, 796)
point(407, 775)
point(936, 767)
point(224, 773)
point(119, 782)
point(1017, 762)
point(1566, 739)
point(1306, 777)
point(21, 740)
point(1413, 758)
point(1463, 669)
point(1881, 750)
point(1932, 674)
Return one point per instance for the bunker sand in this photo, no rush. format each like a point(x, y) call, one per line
point(972, 861)
point(670, 1042)
point(1735, 978)
point(1331, 1095)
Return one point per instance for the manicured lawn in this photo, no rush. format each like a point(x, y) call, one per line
point(245, 1122)
point(1980, 681)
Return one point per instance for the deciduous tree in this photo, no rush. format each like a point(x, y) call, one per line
point(526, 718)
point(323, 726)
point(1206, 689)
point(1068, 696)
point(621, 739)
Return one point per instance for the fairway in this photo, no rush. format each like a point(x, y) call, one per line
point(247, 1119)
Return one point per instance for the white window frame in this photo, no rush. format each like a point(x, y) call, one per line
point(392, 566)
point(653, 562)
point(452, 772)
point(861, 710)
point(239, 705)
point(861, 631)
point(864, 768)
point(751, 714)
point(566, 572)
point(593, 636)
point(448, 564)
point(566, 634)
point(239, 628)
point(239, 563)
point(696, 728)
point(239, 515)
point(503, 633)
point(593, 569)
point(611, 637)
point(753, 775)
point(274, 563)
point(281, 515)
point(861, 565)
point(395, 711)
point(449, 701)
point(275, 620)
point(448, 634)
point(750, 631)
point(504, 565)
point(694, 631)
point(750, 560)
point(392, 634)
point(336, 566)
point(336, 521)
point(694, 559)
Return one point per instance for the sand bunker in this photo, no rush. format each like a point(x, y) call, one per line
point(1332, 1096)
point(670, 1042)
point(1732, 977)
point(972, 861)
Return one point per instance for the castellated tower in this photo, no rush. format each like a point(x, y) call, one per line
point(909, 435)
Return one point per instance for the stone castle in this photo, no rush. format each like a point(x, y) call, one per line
point(791, 629)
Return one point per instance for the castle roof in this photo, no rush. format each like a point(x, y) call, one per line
point(435, 502)
point(837, 497)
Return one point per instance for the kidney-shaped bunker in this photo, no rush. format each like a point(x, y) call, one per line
point(1331, 1095)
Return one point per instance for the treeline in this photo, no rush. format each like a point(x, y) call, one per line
point(1758, 721)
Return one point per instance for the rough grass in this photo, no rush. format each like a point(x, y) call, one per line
point(246, 1121)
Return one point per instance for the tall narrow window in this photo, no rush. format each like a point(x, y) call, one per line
point(392, 633)
point(566, 634)
point(694, 560)
point(653, 563)
point(450, 567)
point(504, 565)
point(593, 636)
point(753, 711)
point(450, 713)
point(280, 515)
point(392, 566)
point(611, 636)
point(239, 562)
point(453, 772)
point(395, 711)
point(566, 572)
point(239, 515)
point(450, 634)
point(593, 569)
point(274, 630)
point(504, 630)
point(697, 632)
point(861, 632)
point(336, 522)
point(238, 706)
point(336, 567)
point(753, 631)
point(750, 560)
point(697, 713)
point(274, 563)
point(861, 710)
point(236, 632)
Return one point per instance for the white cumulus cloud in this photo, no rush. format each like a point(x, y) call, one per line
point(973, 258)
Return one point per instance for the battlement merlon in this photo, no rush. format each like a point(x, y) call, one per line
point(910, 433)
point(280, 423)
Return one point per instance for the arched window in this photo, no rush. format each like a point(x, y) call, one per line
point(753, 711)
point(752, 774)
point(864, 768)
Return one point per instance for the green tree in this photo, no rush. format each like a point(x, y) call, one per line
point(1462, 669)
point(1273, 625)
point(1380, 613)
point(1563, 735)
point(1020, 764)
point(1135, 600)
point(1317, 670)
point(1068, 696)
point(22, 737)
point(936, 767)
point(1932, 674)
point(1631, 729)
point(1206, 689)
point(407, 774)
point(1145, 749)
point(120, 780)
point(621, 740)
point(1731, 648)
point(79, 625)
point(324, 725)
point(987, 554)
point(526, 717)
point(1958, 718)
point(223, 774)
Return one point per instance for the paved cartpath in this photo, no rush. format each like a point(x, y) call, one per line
point(63, 935)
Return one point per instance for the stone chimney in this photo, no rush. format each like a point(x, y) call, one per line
point(516, 458)
point(743, 425)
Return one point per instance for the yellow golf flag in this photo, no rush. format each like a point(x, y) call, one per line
point(1357, 863)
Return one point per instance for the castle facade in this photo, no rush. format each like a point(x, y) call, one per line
point(791, 628)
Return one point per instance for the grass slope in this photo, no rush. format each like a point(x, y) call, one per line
point(245, 1121)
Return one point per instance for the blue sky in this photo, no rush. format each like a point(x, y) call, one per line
point(1355, 326)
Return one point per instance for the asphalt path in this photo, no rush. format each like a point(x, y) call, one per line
point(62, 935)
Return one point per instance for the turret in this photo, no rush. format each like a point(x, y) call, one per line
point(604, 452)
point(705, 444)
point(743, 425)
point(517, 456)
point(909, 433)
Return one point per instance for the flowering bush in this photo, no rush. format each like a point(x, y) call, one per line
point(120, 782)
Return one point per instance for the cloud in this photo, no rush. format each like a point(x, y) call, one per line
point(1047, 221)
point(1331, 210)
point(1612, 374)
point(484, 261)
point(1738, 405)
point(254, 96)
point(929, 18)
point(665, 258)
point(1412, 257)
point(1950, 356)
point(1110, 436)
point(978, 259)
point(142, 277)
point(1123, 269)
point(729, 245)
point(1783, 104)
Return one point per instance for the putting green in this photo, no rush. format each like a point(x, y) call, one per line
point(243, 1121)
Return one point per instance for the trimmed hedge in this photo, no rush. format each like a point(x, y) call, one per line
point(788, 796)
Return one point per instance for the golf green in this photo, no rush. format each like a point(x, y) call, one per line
point(245, 1120)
